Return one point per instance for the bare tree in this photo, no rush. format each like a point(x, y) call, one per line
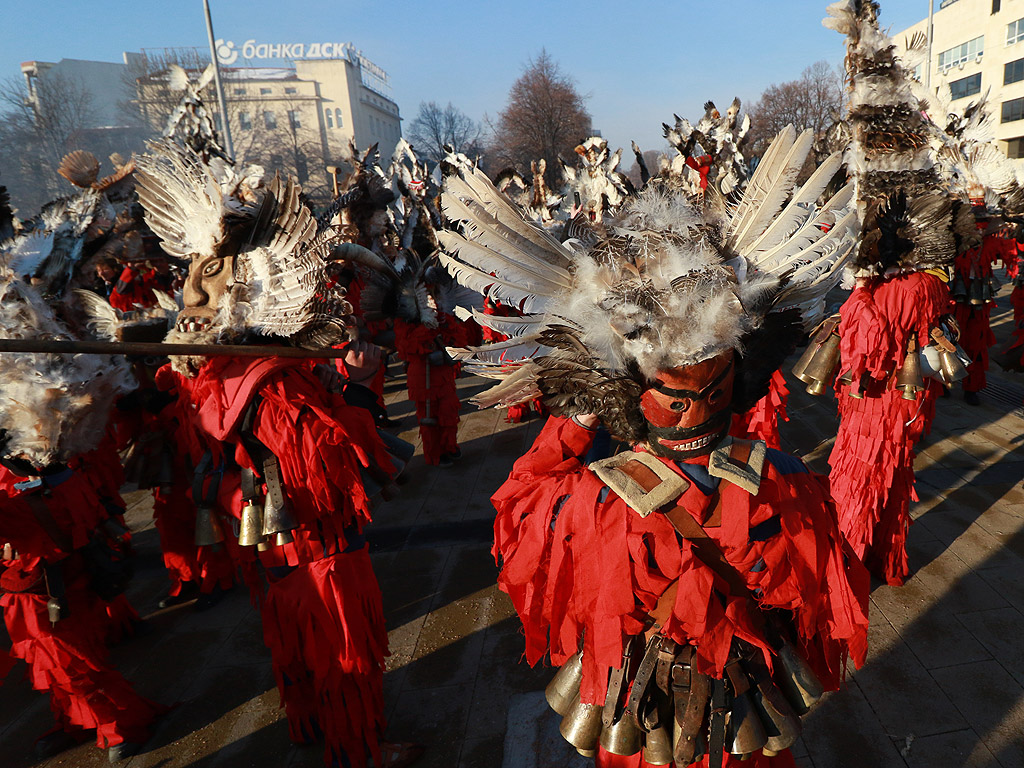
point(813, 101)
point(37, 128)
point(546, 117)
point(652, 159)
point(435, 126)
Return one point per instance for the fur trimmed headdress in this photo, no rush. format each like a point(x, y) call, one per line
point(52, 406)
point(910, 217)
point(280, 286)
point(668, 285)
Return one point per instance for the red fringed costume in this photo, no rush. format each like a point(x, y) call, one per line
point(872, 461)
point(322, 614)
point(134, 289)
point(972, 309)
point(517, 412)
point(68, 659)
point(762, 421)
point(414, 342)
point(582, 566)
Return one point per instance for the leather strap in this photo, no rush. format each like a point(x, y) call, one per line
point(716, 736)
point(615, 685)
point(706, 550)
point(644, 476)
point(638, 691)
point(691, 691)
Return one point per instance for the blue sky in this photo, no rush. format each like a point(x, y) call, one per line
point(639, 61)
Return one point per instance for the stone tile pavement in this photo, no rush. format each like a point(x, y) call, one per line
point(943, 686)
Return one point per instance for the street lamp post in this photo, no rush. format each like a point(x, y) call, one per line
point(225, 127)
point(928, 58)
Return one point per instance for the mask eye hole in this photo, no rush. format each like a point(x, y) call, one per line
point(680, 405)
point(714, 396)
point(213, 267)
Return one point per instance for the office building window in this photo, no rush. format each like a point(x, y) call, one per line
point(293, 119)
point(1015, 148)
point(961, 54)
point(239, 91)
point(291, 90)
point(1013, 71)
point(965, 86)
point(328, 118)
point(917, 72)
point(1014, 31)
point(1012, 110)
point(245, 121)
point(264, 91)
point(269, 121)
point(995, 6)
point(337, 117)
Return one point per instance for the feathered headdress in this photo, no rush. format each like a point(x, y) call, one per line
point(597, 186)
point(280, 285)
point(670, 285)
point(909, 219)
point(708, 153)
point(52, 407)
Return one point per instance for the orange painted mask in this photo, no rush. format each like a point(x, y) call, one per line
point(688, 409)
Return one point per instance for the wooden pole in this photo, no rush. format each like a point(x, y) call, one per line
point(49, 346)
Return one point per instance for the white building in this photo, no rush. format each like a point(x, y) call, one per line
point(978, 46)
point(103, 81)
point(297, 119)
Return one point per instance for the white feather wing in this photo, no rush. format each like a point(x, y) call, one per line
point(182, 200)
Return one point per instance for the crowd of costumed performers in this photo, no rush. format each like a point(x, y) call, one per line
point(696, 588)
point(66, 552)
point(699, 588)
point(900, 340)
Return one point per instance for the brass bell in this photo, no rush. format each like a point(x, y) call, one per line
point(780, 722)
point(278, 519)
point(581, 725)
point(565, 685)
point(744, 732)
point(976, 292)
point(817, 365)
point(847, 379)
point(251, 527)
point(958, 289)
point(797, 680)
point(283, 537)
point(658, 746)
point(909, 378)
point(208, 530)
point(622, 737)
point(951, 367)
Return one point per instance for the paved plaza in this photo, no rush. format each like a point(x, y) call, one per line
point(943, 685)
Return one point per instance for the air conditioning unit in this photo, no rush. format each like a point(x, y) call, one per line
point(978, 56)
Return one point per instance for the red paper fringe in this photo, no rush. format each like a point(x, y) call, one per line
point(577, 568)
point(324, 625)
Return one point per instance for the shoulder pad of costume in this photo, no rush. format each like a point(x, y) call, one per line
point(739, 462)
point(641, 480)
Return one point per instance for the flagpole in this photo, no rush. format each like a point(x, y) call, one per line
point(225, 126)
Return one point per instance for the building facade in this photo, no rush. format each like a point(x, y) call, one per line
point(298, 119)
point(978, 46)
point(103, 82)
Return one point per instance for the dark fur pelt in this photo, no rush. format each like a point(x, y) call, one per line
point(764, 351)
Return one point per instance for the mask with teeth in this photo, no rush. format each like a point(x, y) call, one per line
point(687, 409)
